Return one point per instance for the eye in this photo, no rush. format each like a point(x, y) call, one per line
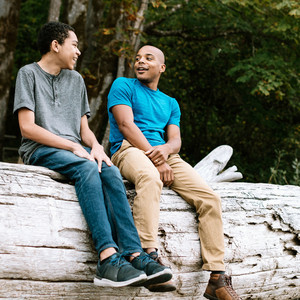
point(137, 58)
point(149, 58)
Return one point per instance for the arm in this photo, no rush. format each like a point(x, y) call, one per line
point(36, 133)
point(124, 117)
point(88, 137)
point(159, 154)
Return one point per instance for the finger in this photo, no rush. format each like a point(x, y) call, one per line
point(88, 155)
point(83, 154)
point(108, 161)
point(167, 180)
point(149, 151)
point(99, 165)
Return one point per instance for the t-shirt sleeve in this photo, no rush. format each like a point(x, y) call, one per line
point(24, 92)
point(120, 93)
point(175, 115)
point(85, 108)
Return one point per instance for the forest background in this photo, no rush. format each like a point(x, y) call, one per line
point(233, 66)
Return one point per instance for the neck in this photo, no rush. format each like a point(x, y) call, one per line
point(48, 65)
point(150, 85)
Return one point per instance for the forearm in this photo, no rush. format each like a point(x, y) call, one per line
point(88, 138)
point(173, 145)
point(134, 136)
point(45, 137)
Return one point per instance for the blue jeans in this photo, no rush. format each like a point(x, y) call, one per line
point(102, 198)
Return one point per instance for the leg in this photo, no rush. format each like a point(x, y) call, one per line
point(137, 168)
point(119, 210)
point(191, 187)
point(88, 186)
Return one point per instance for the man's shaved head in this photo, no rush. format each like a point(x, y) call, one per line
point(155, 51)
point(149, 64)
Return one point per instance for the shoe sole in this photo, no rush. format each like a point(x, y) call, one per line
point(207, 296)
point(103, 282)
point(159, 277)
point(160, 288)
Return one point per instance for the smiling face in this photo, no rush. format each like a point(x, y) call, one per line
point(149, 64)
point(68, 51)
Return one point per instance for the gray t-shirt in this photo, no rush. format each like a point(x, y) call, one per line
point(58, 103)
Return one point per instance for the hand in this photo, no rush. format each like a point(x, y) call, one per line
point(81, 152)
point(166, 174)
point(98, 154)
point(158, 154)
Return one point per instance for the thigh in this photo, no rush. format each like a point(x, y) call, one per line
point(133, 163)
point(188, 183)
point(62, 161)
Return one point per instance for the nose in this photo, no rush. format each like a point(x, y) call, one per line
point(141, 60)
point(78, 52)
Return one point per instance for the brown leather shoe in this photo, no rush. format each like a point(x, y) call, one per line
point(160, 287)
point(220, 288)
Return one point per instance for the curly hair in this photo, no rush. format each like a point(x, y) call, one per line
point(52, 31)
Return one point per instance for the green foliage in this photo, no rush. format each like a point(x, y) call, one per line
point(233, 65)
point(234, 68)
point(279, 171)
point(33, 15)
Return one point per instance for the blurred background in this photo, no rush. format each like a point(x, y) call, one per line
point(233, 66)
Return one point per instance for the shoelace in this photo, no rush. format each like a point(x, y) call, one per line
point(230, 288)
point(145, 259)
point(119, 260)
point(228, 280)
point(154, 256)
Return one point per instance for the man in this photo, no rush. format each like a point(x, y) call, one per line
point(52, 106)
point(140, 116)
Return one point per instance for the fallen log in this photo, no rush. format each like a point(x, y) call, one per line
point(46, 251)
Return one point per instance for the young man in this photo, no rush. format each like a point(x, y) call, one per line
point(140, 115)
point(52, 106)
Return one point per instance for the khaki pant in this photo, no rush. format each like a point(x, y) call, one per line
point(136, 167)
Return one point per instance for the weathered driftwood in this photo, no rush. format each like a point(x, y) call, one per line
point(212, 166)
point(46, 251)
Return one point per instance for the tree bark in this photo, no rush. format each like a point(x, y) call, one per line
point(9, 17)
point(54, 10)
point(75, 14)
point(46, 251)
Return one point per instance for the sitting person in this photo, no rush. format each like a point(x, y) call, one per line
point(140, 116)
point(52, 106)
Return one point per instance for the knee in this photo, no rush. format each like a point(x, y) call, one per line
point(207, 200)
point(149, 177)
point(112, 171)
point(87, 168)
point(212, 203)
point(110, 174)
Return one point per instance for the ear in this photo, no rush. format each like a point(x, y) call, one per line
point(54, 46)
point(162, 68)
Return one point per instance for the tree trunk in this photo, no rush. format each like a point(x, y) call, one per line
point(9, 17)
point(46, 251)
point(108, 34)
point(125, 62)
point(75, 14)
point(54, 10)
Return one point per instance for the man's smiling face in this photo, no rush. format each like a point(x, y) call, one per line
point(149, 64)
point(68, 51)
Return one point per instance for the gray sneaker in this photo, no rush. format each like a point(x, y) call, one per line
point(167, 286)
point(116, 271)
point(156, 273)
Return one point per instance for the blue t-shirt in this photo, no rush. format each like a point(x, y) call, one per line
point(152, 111)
